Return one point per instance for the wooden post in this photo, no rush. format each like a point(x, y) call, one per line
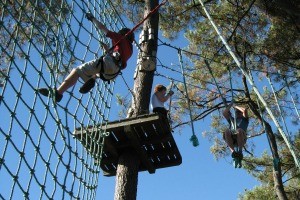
point(127, 170)
point(127, 176)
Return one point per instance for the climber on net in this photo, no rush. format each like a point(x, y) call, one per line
point(236, 135)
point(158, 99)
point(107, 67)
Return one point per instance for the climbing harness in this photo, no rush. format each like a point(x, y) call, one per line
point(237, 160)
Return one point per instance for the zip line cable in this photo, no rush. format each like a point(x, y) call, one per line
point(195, 86)
point(225, 64)
point(187, 52)
point(187, 75)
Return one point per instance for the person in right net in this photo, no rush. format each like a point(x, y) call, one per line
point(236, 138)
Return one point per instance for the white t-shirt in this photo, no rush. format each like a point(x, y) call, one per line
point(155, 102)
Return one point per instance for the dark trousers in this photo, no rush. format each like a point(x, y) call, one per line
point(160, 110)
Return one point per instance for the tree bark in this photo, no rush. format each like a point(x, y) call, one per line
point(127, 176)
point(127, 170)
point(144, 78)
point(286, 7)
point(277, 174)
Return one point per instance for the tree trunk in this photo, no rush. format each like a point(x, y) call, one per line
point(127, 176)
point(277, 175)
point(279, 7)
point(127, 170)
point(143, 77)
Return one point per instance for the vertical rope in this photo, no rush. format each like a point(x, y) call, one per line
point(232, 98)
point(170, 100)
point(194, 138)
point(291, 95)
point(214, 79)
point(233, 124)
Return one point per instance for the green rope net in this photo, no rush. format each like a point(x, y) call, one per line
point(41, 41)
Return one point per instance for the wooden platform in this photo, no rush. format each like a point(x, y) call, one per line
point(149, 135)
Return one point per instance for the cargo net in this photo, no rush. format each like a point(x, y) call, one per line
point(41, 41)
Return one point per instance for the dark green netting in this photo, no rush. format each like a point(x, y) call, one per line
point(41, 41)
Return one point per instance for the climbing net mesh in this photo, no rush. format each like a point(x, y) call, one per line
point(41, 41)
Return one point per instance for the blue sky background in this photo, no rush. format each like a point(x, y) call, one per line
point(199, 176)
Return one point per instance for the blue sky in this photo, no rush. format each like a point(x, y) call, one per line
point(199, 176)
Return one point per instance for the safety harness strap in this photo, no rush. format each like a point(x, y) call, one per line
point(113, 76)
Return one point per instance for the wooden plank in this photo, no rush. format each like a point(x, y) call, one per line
point(161, 146)
point(118, 136)
point(162, 127)
point(151, 130)
point(167, 152)
point(139, 150)
point(152, 136)
point(131, 121)
point(159, 153)
point(78, 133)
point(109, 173)
point(157, 139)
point(118, 124)
point(141, 134)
